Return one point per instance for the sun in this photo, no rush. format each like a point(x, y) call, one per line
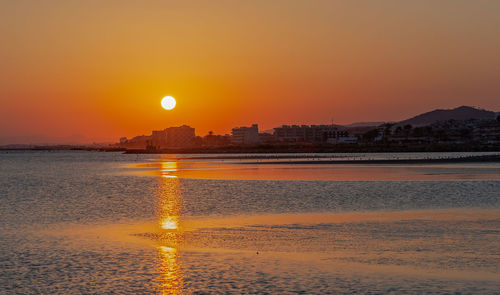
point(168, 102)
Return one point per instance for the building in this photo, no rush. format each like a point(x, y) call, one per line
point(180, 137)
point(212, 140)
point(487, 132)
point(306, 133)
point(245, 135)
point(267, 138)
point(172, 137)
point(159, 139)
point(138, 142)
point(345, 139)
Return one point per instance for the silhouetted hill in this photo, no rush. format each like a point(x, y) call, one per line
point(460, 113)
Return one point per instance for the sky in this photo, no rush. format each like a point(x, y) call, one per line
point(99, 69)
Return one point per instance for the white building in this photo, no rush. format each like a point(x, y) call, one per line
point(313, 133)
point(159, 139)
point(180, 137)
point(245, 135)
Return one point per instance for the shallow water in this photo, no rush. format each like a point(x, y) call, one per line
point(85, 222)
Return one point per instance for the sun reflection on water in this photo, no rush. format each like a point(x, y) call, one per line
point(171, 276)
point(170, 222)
point(168, 168)
point(169, 205)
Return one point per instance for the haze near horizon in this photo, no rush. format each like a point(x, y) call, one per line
point(100, 69)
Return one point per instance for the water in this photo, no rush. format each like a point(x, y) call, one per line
point(86, 222)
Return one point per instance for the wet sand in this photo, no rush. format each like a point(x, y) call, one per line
point(344, 244)
point(325, 171)
point(469, 159)
point(104, 223)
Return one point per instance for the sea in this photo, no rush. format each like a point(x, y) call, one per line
point(82, 222)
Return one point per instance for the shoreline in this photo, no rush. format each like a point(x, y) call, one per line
point(271, 149)
point(316, 149)
point(471, 159)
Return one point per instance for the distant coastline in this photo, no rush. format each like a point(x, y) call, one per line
point(347, 148)
point(247, 155)
point(270, 149)
point(470, 159)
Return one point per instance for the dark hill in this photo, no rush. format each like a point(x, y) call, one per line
point(460, 113)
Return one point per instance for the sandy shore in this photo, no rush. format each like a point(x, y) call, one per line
point(471, 159)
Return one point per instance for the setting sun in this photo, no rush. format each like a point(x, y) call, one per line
point(318, 147)
point(168, 102)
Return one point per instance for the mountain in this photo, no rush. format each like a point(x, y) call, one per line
point(460, 113)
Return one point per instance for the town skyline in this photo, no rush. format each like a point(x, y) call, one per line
point(461, 126)
point(100, 69)
point(76, 139)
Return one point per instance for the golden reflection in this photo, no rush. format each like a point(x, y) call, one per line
point(171, 276)
point(169, 203)
point(170, 222)
point(168, 168)
point(169, 209)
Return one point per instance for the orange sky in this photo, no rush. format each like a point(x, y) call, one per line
point(100, 68)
